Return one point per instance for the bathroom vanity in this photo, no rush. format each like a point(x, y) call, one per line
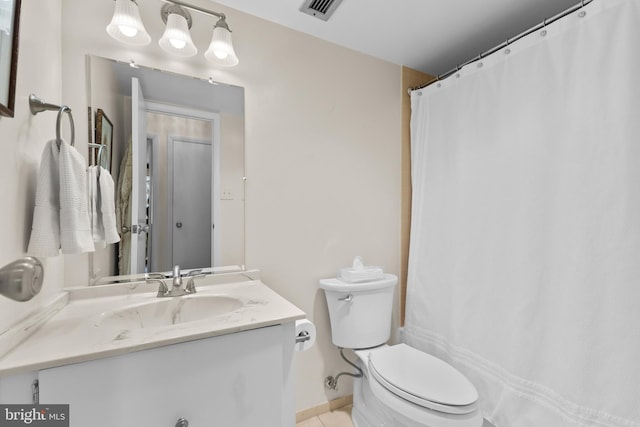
point(120, 356)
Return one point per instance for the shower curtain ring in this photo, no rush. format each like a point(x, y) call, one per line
point(507, 51)
point(582, 13)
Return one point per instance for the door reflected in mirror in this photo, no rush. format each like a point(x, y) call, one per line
point(178, 163)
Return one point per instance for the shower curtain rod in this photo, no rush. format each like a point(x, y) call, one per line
point(543, 24)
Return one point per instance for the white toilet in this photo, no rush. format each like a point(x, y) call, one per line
point(400, 386)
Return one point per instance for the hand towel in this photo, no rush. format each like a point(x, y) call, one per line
point(75, 228)
point(107, 206)
point(97, 230)
point(45, 230)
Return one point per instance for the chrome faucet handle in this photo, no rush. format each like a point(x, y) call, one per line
point(196, 272)
point(191, 283)
point(162, 289)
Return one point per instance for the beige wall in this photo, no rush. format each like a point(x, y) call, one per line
point(323, 153)
point(232, 188)
point(22, 141)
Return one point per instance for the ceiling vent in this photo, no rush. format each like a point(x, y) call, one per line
point(321, 9)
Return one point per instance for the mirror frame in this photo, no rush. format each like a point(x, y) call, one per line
point(10, 80)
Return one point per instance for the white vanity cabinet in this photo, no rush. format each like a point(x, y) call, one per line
point(241, 379)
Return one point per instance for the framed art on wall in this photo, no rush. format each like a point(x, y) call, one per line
point(9, 23)
point(104, 136)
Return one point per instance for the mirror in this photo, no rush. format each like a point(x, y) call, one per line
point(176, 156)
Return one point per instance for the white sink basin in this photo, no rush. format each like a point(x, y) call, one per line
point(169, 311)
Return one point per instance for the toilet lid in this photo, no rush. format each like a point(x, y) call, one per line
point(423, 379)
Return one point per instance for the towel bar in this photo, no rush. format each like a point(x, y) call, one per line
point(101, 148)
point(37, 105)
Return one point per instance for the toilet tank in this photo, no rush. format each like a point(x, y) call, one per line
point(360, 313)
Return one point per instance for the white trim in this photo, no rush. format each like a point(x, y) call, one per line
point(155, 184)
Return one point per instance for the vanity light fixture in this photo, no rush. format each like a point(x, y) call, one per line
point(176, 38)
point(126, 25)
point(221, 50)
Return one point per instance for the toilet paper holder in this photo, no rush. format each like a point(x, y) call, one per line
point(302, 337)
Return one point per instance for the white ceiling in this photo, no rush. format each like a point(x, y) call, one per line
point(428, 35)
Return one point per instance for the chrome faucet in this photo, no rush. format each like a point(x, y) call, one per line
point(177, 279)
point(177, 289)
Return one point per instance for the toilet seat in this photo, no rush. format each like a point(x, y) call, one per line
point(422, 379)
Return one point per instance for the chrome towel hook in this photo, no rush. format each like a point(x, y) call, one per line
point(37, 105)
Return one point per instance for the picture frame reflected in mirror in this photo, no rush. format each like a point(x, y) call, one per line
point(104, 136)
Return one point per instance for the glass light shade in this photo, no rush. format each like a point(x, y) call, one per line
point(220, 50)
point(126, 25)
point(176, 38)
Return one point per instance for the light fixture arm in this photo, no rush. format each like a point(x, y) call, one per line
point(196, 8)
point(170, 8)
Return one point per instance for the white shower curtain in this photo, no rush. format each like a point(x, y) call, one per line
point(524, 266)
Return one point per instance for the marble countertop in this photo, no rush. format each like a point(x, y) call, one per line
point(70, 329)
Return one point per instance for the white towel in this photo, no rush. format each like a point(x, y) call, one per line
point(97, 230)
point(75, 228)
point(102, 206)
point(60, 218)
point(45, 230)
point(108, 206)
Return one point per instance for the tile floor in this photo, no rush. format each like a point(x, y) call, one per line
point(341, 418)
point(337, 418)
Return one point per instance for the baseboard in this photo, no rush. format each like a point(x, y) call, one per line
point(332, 405)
